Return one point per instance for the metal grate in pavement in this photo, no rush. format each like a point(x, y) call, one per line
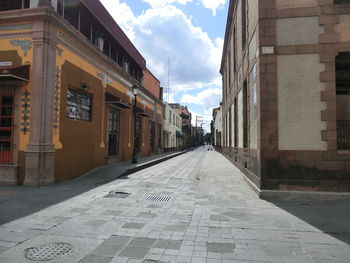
point(114, 194)
point(158, 198)
point(48, 251)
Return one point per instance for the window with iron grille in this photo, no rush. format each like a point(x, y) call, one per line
point(342, 71)
point(341, 1)
point(6, 129)
point(244, 23)
point(13, 4)
point(138, 133)
point(235, 122)
point(159, 135)
point(245, 115)
point(79, 105)
point(152, 135)
point(230, 126)
point(113, 131)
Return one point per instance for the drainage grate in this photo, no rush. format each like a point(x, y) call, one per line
point(158, 198)
point(117, 195)
point(48, 251)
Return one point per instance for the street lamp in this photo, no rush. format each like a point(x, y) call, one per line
point(135, 91)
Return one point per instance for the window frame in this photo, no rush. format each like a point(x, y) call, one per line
point(79, 106)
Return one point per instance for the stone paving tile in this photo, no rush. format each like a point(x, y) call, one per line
point(213, 216)
point(117, 240)
point(168, 244)
point(112, 213)
point(95, 222)
point(134, 252)
point(142, 242)
point(133, 225)
point(95, 259)
point(220, 247)
point(119, 260)
point(107, 250)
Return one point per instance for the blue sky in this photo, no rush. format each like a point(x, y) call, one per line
point(187, 33)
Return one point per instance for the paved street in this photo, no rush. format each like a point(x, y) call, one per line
point(202, 211)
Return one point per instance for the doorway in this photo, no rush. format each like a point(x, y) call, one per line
point(6, 129)
point(343, 100)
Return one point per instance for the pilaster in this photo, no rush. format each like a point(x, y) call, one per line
point(40, 152)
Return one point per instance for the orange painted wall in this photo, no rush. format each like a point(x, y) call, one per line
point(151, 83)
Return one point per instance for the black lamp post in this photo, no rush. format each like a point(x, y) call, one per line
point(135, 90)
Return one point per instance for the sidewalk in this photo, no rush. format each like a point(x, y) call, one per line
point(21, 201)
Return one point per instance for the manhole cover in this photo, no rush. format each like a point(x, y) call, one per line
point(114, 194)
point(158, 198)
point(48, 251)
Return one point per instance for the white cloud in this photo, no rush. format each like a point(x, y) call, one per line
point(164, 33)
point(207, 98)
point(161, 3)
point(213, 4)
point(194, 59)
point(123, 15)
point(206, 119)
point(167, 33)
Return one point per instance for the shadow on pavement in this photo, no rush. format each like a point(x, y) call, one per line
point(330, 217)
point(19, 201)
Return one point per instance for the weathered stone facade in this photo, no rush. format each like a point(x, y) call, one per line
point(282, 107)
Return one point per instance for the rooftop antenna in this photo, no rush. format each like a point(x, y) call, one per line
point(169, 91)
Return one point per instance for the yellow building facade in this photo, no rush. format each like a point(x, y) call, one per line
point(65, 93)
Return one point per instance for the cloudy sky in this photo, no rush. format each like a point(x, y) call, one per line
point(183, 38)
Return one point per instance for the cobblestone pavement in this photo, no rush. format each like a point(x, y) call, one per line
point(193, 208)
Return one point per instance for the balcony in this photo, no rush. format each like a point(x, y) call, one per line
point(94, 23)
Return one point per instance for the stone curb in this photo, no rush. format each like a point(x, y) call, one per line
point(151, 163)
point(270, 195)
point(303, 195)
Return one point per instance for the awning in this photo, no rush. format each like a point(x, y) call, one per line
point(142, 113)
point(110, 99)
point(119, 104)
point(15, 73)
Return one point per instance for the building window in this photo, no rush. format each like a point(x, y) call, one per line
point(343, 100)
point(113, 131)
point(229, 67)
point(71, 12)
point(245, 115)
point(244, 23)
point(138, 133)
point(234, 49)
point(159, 135)
point(230, 126)
point(6, 129)
point(13, 4)
point(79, 105)
point(235, 115)
point(341, 1)
point(152, 135)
